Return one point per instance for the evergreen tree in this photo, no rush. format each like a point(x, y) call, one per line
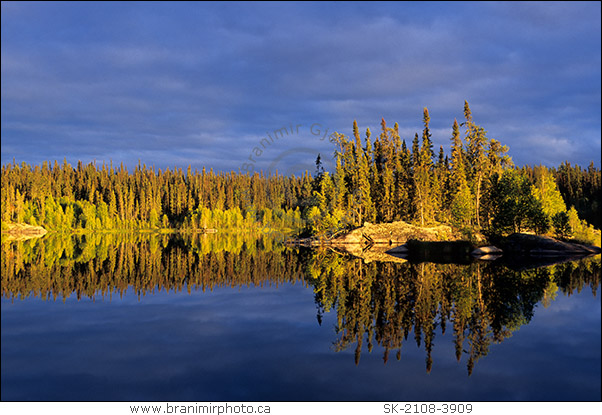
point(461, 203)
point(339, 184)
point(403, 182)
point(423, 176)
point(362, 189)
point(476, 142)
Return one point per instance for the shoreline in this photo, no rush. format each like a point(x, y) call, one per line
point(401, 240)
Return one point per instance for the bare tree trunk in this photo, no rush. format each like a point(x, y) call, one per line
point(478, 213)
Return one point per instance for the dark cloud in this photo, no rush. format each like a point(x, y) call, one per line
point(201, 84)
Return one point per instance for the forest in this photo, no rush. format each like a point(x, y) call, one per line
point(476, 188)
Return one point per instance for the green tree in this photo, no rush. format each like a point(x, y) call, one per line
point(516, 207)
point(423, 168)
point(476, 141)
point(561, 224)
point(461, 198)
point(546, 192)
point(362, 179)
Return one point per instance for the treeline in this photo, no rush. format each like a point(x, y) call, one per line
point(580, 188)
point(90, 197)
point(477, 188)
point(381, 179)
point(387, 180)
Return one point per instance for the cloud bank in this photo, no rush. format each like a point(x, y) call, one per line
point(173, 84)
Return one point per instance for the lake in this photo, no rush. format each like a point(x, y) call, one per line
point(135, 317)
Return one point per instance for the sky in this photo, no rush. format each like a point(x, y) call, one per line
point(261, 86)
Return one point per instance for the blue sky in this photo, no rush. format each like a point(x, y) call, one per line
point(201, 84)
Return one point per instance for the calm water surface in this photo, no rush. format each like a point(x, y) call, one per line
point(131, 317)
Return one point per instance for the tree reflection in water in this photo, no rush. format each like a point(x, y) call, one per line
point(385, 303)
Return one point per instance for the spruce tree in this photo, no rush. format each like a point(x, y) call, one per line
point(362, 174)
point(423, 176)
point(461, 204)
point(476, 141)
